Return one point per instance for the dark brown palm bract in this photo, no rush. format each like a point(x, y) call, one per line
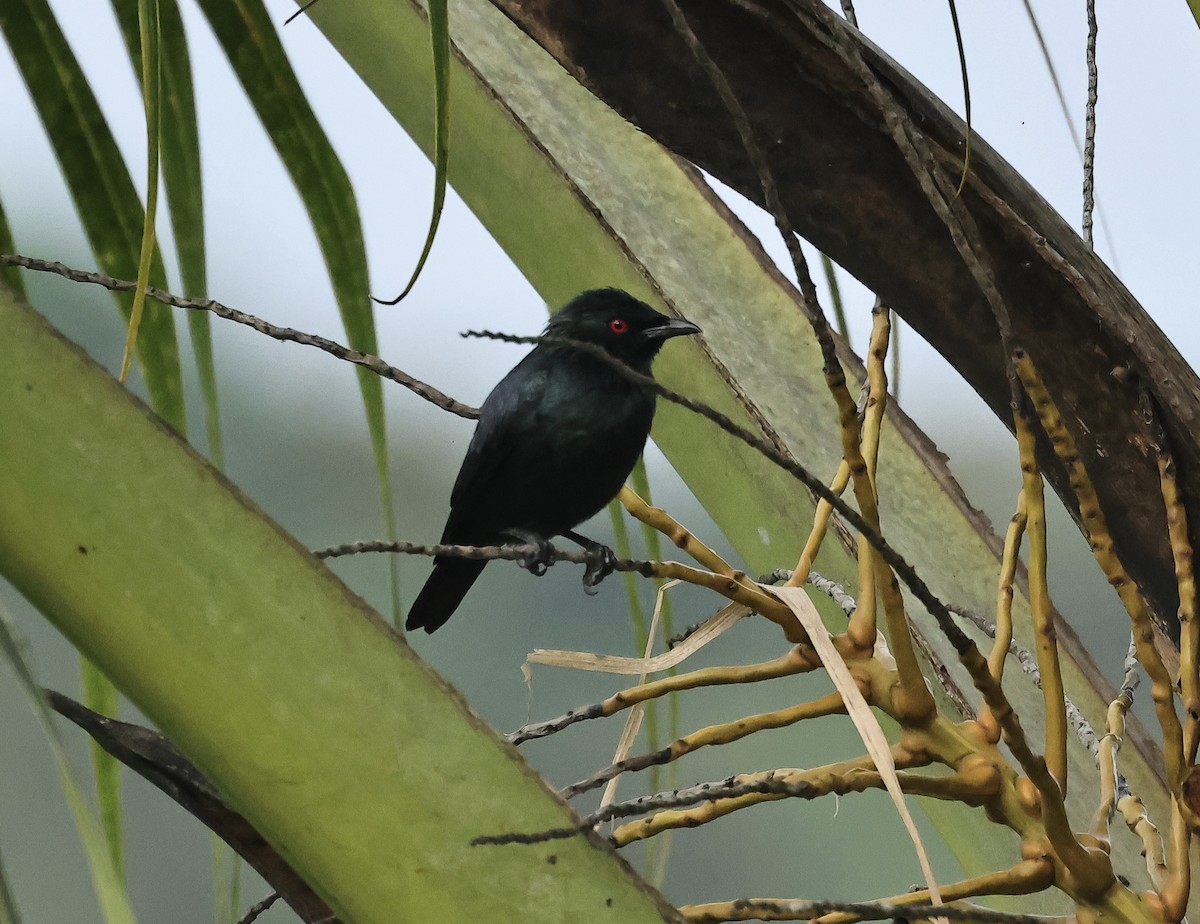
point(556, 439)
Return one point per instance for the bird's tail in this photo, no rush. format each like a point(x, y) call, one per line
point(443, 592)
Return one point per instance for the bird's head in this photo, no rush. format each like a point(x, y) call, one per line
point(627, 328)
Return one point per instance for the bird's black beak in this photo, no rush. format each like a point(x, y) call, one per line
point(674, 327)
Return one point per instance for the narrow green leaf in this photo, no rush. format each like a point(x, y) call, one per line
point(637, 621)
point(9, 913)
point(106, 880)
point(835, 298)
point(1194, 6)
point(894, 351)
point(100, 695)
point(962, 65)
point(151, 84)
point(656, 862)
point(653, 539)
point(99, 181)
point(252, 45)
point(180, 158)
point(227, 883)
point(439, 34)
point(235, 887)
point(10, 275)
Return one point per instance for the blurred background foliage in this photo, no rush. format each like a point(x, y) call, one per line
point(295, 436)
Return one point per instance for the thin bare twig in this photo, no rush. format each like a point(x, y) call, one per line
point(285, 334)
point(758, 909)
point(1089, 133)
point(966, 84)
point(516, 552)
point(833, 590)
point(255, 910)
point(799, 660)
point(153, 757)
point(728, 788)
point(1066, 111)
point(1025, 658)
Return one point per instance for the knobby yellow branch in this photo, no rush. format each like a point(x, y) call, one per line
point(839, 778)
point(820, 526)
point(1004, 600)
point(1138, 821)
point(1025, 878)
point(1189, 626)
point(1045, 635)
point(1106, 760)
point(916, 703)
point(1100, 539)
point(725, 733)
point(863, 624)
point(721, 577)
point(799, 660)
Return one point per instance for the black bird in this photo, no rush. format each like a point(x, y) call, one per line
point(556, 439)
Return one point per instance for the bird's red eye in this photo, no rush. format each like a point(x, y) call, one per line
point(618, 325)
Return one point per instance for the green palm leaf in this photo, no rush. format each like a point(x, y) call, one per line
point(180, 153)
point(105, 198)
point(439, 33)
point(252, 45)
point(106, 876)
point(9, 275)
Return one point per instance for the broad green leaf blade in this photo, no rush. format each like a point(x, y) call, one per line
point(114, 903)
point(180, 156)
point(101, 696)
point(252, 45)
point(151, 87)
point(10, 275)
point(309, 714)
point(439, 34)
point(104, 195)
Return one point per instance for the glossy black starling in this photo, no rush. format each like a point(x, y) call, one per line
point(555, 441)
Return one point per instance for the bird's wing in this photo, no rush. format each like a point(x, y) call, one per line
point(504, 422)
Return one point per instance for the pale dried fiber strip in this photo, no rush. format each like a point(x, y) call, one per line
point(860, 713)
point(634, 721)
point(714, 626)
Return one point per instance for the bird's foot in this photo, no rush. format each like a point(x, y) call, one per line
point(601, 562)
point(541, 557)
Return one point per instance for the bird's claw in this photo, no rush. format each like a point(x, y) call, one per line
point(601, 562)
point(540, 557)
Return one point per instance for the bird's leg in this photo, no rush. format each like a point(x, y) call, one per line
point(601, 560)
point(539, 562)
